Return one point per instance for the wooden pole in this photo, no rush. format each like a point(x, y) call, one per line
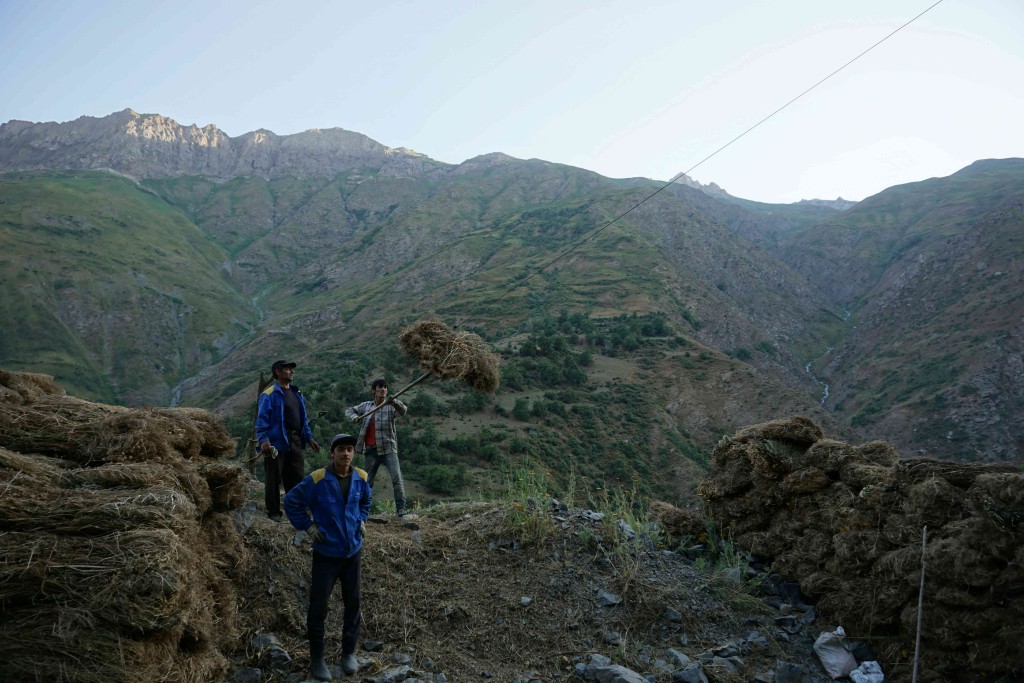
point(920, 605)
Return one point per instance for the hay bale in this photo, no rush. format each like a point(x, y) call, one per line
point(449, 355)
point(878, 453)
point(1003, 489)
point(677, 523)
point(958, 474)
point(857, 474)
point(797, 430)
point(935, 502)
point(829, 455)
point(807, 480)
point(26, 387)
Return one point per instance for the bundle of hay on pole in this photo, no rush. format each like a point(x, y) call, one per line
point(846, 522)
point(117, 564)
point(450, 355)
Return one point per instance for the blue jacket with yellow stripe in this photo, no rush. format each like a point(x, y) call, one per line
point(319, 494)
point(270, 418)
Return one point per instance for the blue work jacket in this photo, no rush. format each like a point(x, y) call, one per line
point(319, 494)
point(270, 418)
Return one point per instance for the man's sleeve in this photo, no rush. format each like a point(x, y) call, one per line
point(364, 504)
point(400, 407)
point(307, 431)
point(263, 418)
point(351, 413)
point(296, 504)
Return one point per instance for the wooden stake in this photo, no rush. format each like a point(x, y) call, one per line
point(920, 605)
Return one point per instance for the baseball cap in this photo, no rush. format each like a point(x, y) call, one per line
point(281, 364)
point(343, 439)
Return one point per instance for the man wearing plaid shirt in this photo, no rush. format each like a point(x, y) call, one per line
point(377, 438)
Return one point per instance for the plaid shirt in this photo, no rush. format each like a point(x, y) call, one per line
point(383, 425)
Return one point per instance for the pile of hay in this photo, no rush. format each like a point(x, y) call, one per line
point(449, 355)
point(846, 521)
point(118, 551)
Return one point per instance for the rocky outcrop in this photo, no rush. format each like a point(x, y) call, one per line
point(153, 146)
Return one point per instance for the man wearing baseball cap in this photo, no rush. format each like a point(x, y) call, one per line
point(338, 499)
point(282, 431)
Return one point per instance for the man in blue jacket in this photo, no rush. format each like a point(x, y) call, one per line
point(338, 498)
point(282, 431)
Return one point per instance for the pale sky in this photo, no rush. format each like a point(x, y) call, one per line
point(621, 87)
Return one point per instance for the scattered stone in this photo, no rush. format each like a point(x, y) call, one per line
point(592, 516)
point(247, 674)
point(617, 674)
point(791, 673)
point(613, 638)
point(393, 675)
point(730, 649)
point(416, 537)
point(673, 615)
point(680, 660)
point(525, 600)
point(372, 645)
point(626, 530)
point(269, 648)
point(411, 526)
point(693, 673)
point(427, 663)
point(401, 658)
point(607, 599)
point(683, 639)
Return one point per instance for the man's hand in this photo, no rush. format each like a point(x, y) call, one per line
point(314, 445)
point(357, 419)
point(265, 448)
point(314, 534)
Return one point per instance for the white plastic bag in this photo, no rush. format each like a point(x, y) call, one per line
point(868, 672)
point(834, 653)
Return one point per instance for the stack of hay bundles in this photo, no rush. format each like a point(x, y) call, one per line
point(846, 521)
point(118, 549)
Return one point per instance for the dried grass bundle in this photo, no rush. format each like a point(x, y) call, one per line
point(450, 355)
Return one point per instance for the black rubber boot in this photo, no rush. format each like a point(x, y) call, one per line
point(349, 664)
point(317, 666)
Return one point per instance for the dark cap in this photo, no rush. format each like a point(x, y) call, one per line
point(379, 382)
point(342, 439)
point(278, 364)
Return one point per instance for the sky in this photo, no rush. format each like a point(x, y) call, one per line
point(622, 87)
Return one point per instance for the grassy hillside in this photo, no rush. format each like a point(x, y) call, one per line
point(108, 288)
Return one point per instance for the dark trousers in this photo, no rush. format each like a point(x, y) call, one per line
point(288, 469)
point(326, 572)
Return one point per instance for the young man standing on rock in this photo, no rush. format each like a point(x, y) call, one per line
point(377, 438)
point(338, 498)
point(282, 431)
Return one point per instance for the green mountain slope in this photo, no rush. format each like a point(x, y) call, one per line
point(934, 275)
point(110, 289)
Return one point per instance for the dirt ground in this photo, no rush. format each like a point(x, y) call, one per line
point(495, 590)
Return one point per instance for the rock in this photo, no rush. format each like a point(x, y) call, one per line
point(372, 645)
point(791, 673)
point(613, 638)
point(607, 599)
point(680, 660)
point(246, 675)
point(393, 675)
point(416, 537)
point(269, 648)
point(730, 649)
point(617, 674)
point(401, 658)
point(673, 616)
point(626, 530)
point(524, 601)
point(693, 673)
